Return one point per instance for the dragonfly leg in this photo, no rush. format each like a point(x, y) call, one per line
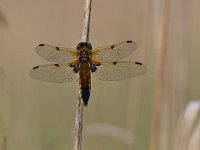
point(93, 67)
point(76, 68)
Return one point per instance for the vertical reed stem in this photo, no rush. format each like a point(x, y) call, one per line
point(86, 22)
point(80, 104)
point(159, 125)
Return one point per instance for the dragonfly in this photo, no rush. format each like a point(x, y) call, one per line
point(103, 63)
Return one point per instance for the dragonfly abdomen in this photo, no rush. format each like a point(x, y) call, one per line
point(85, 82)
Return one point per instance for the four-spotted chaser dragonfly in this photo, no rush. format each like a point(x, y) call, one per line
point(103, 63)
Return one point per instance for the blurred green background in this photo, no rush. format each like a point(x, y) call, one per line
point(140, 113)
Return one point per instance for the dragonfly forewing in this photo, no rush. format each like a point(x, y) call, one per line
point(114, 52)
point(56, 54)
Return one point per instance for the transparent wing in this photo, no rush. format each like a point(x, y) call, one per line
point(56, 73)
point(56, 54)
point(112, 71)
point(114, 52)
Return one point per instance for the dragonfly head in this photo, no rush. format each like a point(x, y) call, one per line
point(86, 46)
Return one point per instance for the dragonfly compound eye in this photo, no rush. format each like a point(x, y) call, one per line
point(84, 45)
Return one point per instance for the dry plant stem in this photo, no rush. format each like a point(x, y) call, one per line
point(86, 23)
point(78, 124)
point(80, 104)
point(161, 93)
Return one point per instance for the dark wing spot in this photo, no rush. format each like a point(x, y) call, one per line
point(56, 65)
point(112, 46)
point(41, 44)
point(98, 64)
point(114, 63)
point(71, 65)
point(57, 48)
point(138, 63)
point(129, 41)
point(35, 67)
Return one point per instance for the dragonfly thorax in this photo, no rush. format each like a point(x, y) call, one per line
point(84, 49)
point(84, 56)
point(76, 68)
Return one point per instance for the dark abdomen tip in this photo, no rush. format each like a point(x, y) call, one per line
point(85, 95)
